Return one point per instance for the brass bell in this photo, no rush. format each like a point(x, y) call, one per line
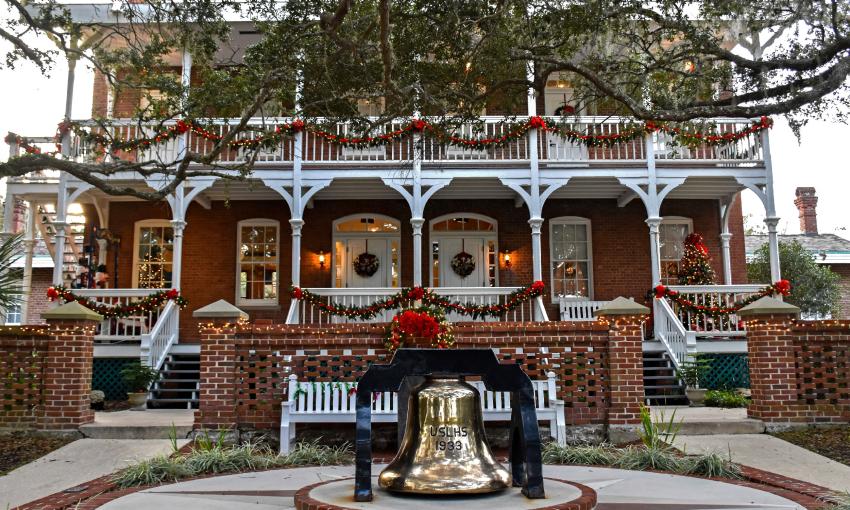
point(444, 449)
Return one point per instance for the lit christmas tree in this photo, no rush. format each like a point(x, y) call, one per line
point(695, 267)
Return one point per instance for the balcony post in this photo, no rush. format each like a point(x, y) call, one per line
point(59, 225)
point(654, 223)
point(297, 224)
point(29, 246)
point(417, 250)
point(773, 247)
point(771, 219)
point(725, 237)
point(178, 226)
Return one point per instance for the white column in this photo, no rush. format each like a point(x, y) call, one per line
point(417, 224)
point(297, 224)
point(773, 247)
point(536, 248)
point(59, 225)
point(654, 223)
point(29, 245)
point(725, 237)
point(178, 226)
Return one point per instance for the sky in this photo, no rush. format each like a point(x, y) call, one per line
point(33, 104)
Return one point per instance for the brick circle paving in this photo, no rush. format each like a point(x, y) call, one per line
point(338, 495)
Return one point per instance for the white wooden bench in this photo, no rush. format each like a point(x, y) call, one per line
point(578, 308)
point(327, 402)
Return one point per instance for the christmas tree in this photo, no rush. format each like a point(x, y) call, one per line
point(695, 267)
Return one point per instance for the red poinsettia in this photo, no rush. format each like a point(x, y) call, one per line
point(537, 122)
point(418, 324)
point(52, 294)
point(297, 125)
point(660, 291)
point(783, 287)
point(417, 125)
point(416, 293)
point(297, 293)
point(172, 294)
point(182, 126)
point(537, 287)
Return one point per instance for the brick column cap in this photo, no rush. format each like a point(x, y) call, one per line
point(221, 309)
point(768, 306)
point(623, 306)
point(72, 311)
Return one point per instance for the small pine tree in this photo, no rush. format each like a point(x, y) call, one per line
point(695, 267)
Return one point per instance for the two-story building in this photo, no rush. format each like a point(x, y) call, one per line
point(594, 205)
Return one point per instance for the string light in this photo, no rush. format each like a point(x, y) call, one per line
point(150, 303)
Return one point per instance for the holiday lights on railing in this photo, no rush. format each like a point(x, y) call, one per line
point(150, 303)
point(684, 135)
point(782, 287)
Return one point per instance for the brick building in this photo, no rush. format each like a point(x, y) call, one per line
point(356, 224)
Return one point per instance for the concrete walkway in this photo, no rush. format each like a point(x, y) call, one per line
point(74, 464)
point(146, 424)
point(772, 454)
point(616, 490)
point(709, 420)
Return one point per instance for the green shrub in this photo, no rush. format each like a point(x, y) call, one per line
point(590, 455)
point(160, 469)
point(711, 464)
point(725, 398)
point(641, 459)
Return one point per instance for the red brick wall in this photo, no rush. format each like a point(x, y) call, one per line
point(244, 373)
point(620, 243)
point(843, 270)
point(799, 370)
point(49, 373)
point(42, 278)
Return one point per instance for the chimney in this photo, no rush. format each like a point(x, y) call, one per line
point(807, 203)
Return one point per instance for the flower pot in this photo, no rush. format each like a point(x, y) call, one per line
point(696, 396)
point(138, 399)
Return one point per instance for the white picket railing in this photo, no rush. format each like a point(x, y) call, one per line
point(728, 325)
point(122, 329)
point(579, 309)
point(156, 344)
point(552, 147)
point(302, 312)
point(677, 341)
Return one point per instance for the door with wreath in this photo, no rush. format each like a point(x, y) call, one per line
point(368, 262)
point(463, 261)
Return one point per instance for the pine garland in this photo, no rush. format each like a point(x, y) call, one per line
point(149, 303)
point(782, 287)
point(408, 296)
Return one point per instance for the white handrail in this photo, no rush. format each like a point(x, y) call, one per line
point(677, 341)
point(156, 344)
point(725, 325)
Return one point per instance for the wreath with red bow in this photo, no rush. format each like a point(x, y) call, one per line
point(366, 264)
point(463, 264)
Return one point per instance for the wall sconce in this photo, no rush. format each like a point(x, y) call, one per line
point(507, 259)
point(321, 260)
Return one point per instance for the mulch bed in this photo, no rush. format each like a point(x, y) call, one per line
point(831, 442)
point(21, 447)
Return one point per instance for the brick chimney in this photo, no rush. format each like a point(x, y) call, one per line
point(807, 203)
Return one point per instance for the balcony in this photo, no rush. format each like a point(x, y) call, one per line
point(553, 149)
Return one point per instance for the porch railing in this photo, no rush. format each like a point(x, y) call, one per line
point(122, 329)
point(707, 325)
point(156, 344)
point(579, 309)
point(552, 147)
point(677, 341)
point(302, 312)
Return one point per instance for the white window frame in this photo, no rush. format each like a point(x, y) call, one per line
point(137, 237)
point(488, 235)
point(256, 222)
point(570, 220)
point(338, 236)
point(671, 220)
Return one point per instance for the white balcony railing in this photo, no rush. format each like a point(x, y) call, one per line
point(552, 147)
point(707, 325)
point(122, 329)
point(302, 312)
point(156, 344)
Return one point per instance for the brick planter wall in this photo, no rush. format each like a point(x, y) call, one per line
point(45, 375)
point(799, 371)
point(244, 371)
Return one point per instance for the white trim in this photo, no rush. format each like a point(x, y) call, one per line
point(487, 235)
point(571, 220)
point(137, 228)
point(256, 222)
point(347, 236)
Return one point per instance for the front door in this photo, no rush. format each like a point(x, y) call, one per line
point(380, 248)
point(449, 247)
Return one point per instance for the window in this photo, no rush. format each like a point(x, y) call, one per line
point(13, 314)
point(571, 257)
point(153, 254)
point(671, 240)
point(257, 262)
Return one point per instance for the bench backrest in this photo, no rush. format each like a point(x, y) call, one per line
point(578, 309)
point(338, 397)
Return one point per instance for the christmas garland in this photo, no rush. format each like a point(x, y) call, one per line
point(407, 296)
point(422, 323)
point(782, 287)
point(269, 139)
point(149, 303)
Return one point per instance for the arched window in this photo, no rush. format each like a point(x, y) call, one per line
point(153, 254)
point(571, 257)
point(257, 262)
